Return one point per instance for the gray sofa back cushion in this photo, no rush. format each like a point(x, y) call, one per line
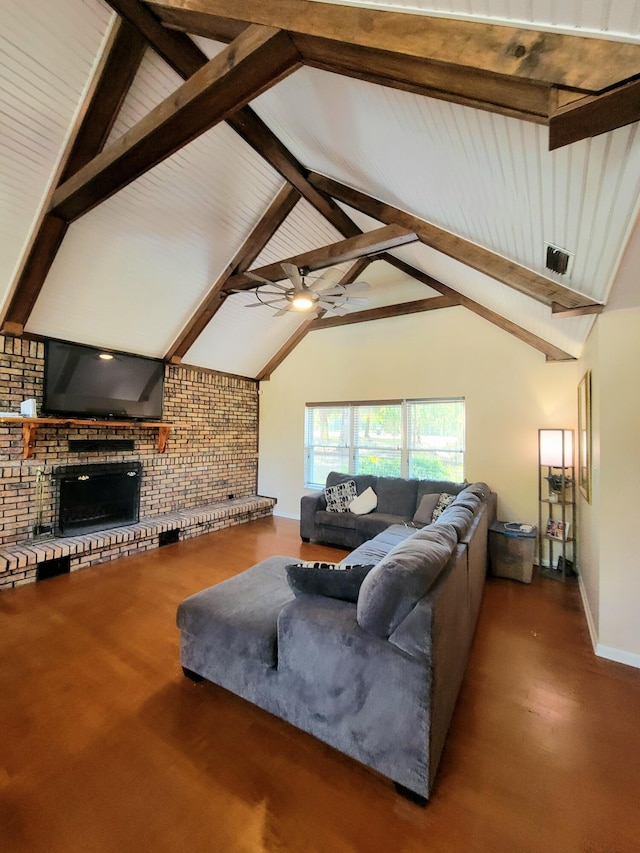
point(428, 487)
point(396, 496)
point(457, 516)
point(480, 489)
point(403, 577)
point(362, 481)
point(468, 499)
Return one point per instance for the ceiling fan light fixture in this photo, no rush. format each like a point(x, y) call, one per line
point(302, 302)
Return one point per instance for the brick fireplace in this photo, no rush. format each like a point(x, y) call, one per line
point(211, 457)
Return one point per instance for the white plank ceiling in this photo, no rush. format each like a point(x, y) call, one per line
point(131, 273)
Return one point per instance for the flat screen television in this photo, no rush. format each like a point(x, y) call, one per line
point(88, 382)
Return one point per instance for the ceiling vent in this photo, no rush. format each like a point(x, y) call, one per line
point(558, 260)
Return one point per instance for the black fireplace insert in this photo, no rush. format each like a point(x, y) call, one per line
point(97, 497)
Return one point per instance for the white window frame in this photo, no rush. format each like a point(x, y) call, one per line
point(451, 446)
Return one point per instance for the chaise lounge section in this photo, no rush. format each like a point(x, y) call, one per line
point(376, 677)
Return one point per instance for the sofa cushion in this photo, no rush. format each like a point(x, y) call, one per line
point(364, 503)
point(397, 496)
point(428, 487)
point(459, 517)
point(370, 525)
point(373, 550)
point(339, 497)
point(336, 519)
point(468, 499)
point(480, 489)
point(239, 616)
point(444, 500)
point(393, 588)
point(424, 514)
point(335, 580)
point(362, 481)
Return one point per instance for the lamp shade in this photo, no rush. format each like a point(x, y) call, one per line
point(556, 447)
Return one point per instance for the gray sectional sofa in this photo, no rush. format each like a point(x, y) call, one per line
point(376, 677)
point(398, 502)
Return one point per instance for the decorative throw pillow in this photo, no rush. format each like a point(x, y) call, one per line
point(339, 497)
point(334, 580)
point(364, 503)
point(443, 502)
point(424, 513)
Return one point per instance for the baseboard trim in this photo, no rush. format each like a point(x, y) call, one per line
point(286, 515)
point(587, 612)
point(618, 656)
point(607, 652)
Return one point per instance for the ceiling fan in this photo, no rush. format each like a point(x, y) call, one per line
point(323, 293)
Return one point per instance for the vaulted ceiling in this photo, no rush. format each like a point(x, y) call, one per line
point(152, 153)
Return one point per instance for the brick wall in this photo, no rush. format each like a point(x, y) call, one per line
point(211, 454)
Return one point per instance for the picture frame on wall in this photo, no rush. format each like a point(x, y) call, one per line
point(584, 436)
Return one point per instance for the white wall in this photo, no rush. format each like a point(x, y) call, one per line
point(588, 514)
point(509, 388)
point(611, 567)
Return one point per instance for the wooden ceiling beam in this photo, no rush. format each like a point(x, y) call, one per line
point(511, 97)
point(593, 115)
point(177, 49)
point(522, 73)
point(548, 58)
point(277, 212)
point(400, 309)
point(258, 59)
point(516, 98)
point(256, 134)
point(286, 349)
point(552, 352)
point(489, 263)
point(561, 311)
point(368, 243)
point(112, 79)
point(185, 57)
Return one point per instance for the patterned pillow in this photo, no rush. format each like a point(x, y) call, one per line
point(335, 580)
point(339, 497)
point(443, 502)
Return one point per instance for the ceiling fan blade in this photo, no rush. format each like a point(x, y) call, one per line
point(293, 273)
point(335, 291)
point(266, 302)
point(282, 311)
point(347, 289)
point(358, 287)
point(335, 309)
point(357, 300)
point(326, 281)
point(265, 281)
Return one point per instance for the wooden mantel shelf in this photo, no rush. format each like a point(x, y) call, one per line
point(31, 425)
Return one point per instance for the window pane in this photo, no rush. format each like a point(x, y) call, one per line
point(436, 465)
point(326, 443)
point(436, 439)
point(321, 461)
point(382, 463)
point(328, 426)
point(378, 426)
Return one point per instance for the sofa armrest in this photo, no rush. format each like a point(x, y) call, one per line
point(309, 505)
point(413, 634)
